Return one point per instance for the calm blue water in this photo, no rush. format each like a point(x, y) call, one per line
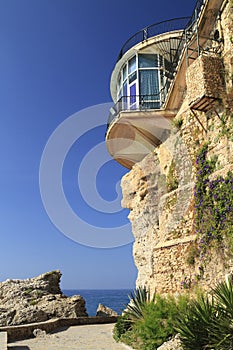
point(115, 299)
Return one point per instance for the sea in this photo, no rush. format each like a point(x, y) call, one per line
point(116, 299)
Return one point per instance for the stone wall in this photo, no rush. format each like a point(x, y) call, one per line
point(159, 190)
point(26, 331)
point(204, 78)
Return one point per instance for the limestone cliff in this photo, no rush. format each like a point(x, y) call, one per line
point(37, 299)
point(159, 191)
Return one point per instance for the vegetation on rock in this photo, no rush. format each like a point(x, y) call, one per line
point(213, 210)
point(148, 322)
point(207, 321)
point(204, 321)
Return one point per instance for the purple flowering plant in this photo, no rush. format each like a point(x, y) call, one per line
point(213, 200)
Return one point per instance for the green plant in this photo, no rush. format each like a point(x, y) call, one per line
point(38, 293)
point(149, 321)
point(138, 301)
point(157, 324)
point(28, 290)
point(178, 122)
point(122, 325)
point(172, 178)
point(226, 125)
point(222, 328)
point(193, 325)
point(33, 302)
point(207, 322)
point(213, 209)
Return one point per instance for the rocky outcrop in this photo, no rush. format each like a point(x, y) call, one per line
point(105, 311)
point(158, 193)
point(37, 299)
point(159, 190)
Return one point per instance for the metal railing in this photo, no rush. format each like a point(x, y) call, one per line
point(167, 26)
point(153, 30)
point(136, 103)
point(196, 11)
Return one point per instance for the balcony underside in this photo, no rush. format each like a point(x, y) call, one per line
point(134, 134)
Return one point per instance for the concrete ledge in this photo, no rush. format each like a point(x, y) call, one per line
point(26, 331)
point(3, 340)
point(176, 241)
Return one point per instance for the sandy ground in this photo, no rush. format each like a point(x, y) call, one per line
point(91, 337)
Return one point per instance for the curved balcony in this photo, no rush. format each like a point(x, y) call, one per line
point(146, 87)
point(137, 103)
point(155, 29)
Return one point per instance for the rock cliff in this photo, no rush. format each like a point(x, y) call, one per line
point(37, 299)
point(182, 229)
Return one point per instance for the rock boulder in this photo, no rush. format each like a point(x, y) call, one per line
point(105, 311)
point(37, 299)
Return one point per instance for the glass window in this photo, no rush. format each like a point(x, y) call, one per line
point(147, 61)
point(124, 72)
point(125, 89)
point(132, 77)
point(132, 94)
point(132, 64)
point(149, 84)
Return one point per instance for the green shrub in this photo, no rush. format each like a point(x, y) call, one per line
point(157, 324)
point(137, 302)
point(132, 339)
point(122, 325)
point(177, 123)
point(194, 323)
point(222, 327)
point(172, 177)
point(148, 322)
point(207, 322)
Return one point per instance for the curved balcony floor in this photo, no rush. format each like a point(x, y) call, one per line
point(134, 134)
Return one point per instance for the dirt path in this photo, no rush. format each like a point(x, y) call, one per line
point(91, 337)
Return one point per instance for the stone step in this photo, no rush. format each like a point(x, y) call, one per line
point(3, 340)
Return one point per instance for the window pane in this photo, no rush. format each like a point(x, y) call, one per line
point(149, 84)
point(132, 77)
point(147, 61)
point(132, 94)
point(125, 89)
point(132, 64)
point(124, 72)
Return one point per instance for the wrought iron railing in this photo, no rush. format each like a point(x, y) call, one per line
point(136, 103)
point(196, 11)
point(161, 28)
point(153, 30)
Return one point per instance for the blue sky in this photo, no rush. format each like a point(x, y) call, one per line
point(56, 59)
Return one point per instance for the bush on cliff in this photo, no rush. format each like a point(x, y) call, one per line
point(207, 323)
point(152, 321)
point(121, 327)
